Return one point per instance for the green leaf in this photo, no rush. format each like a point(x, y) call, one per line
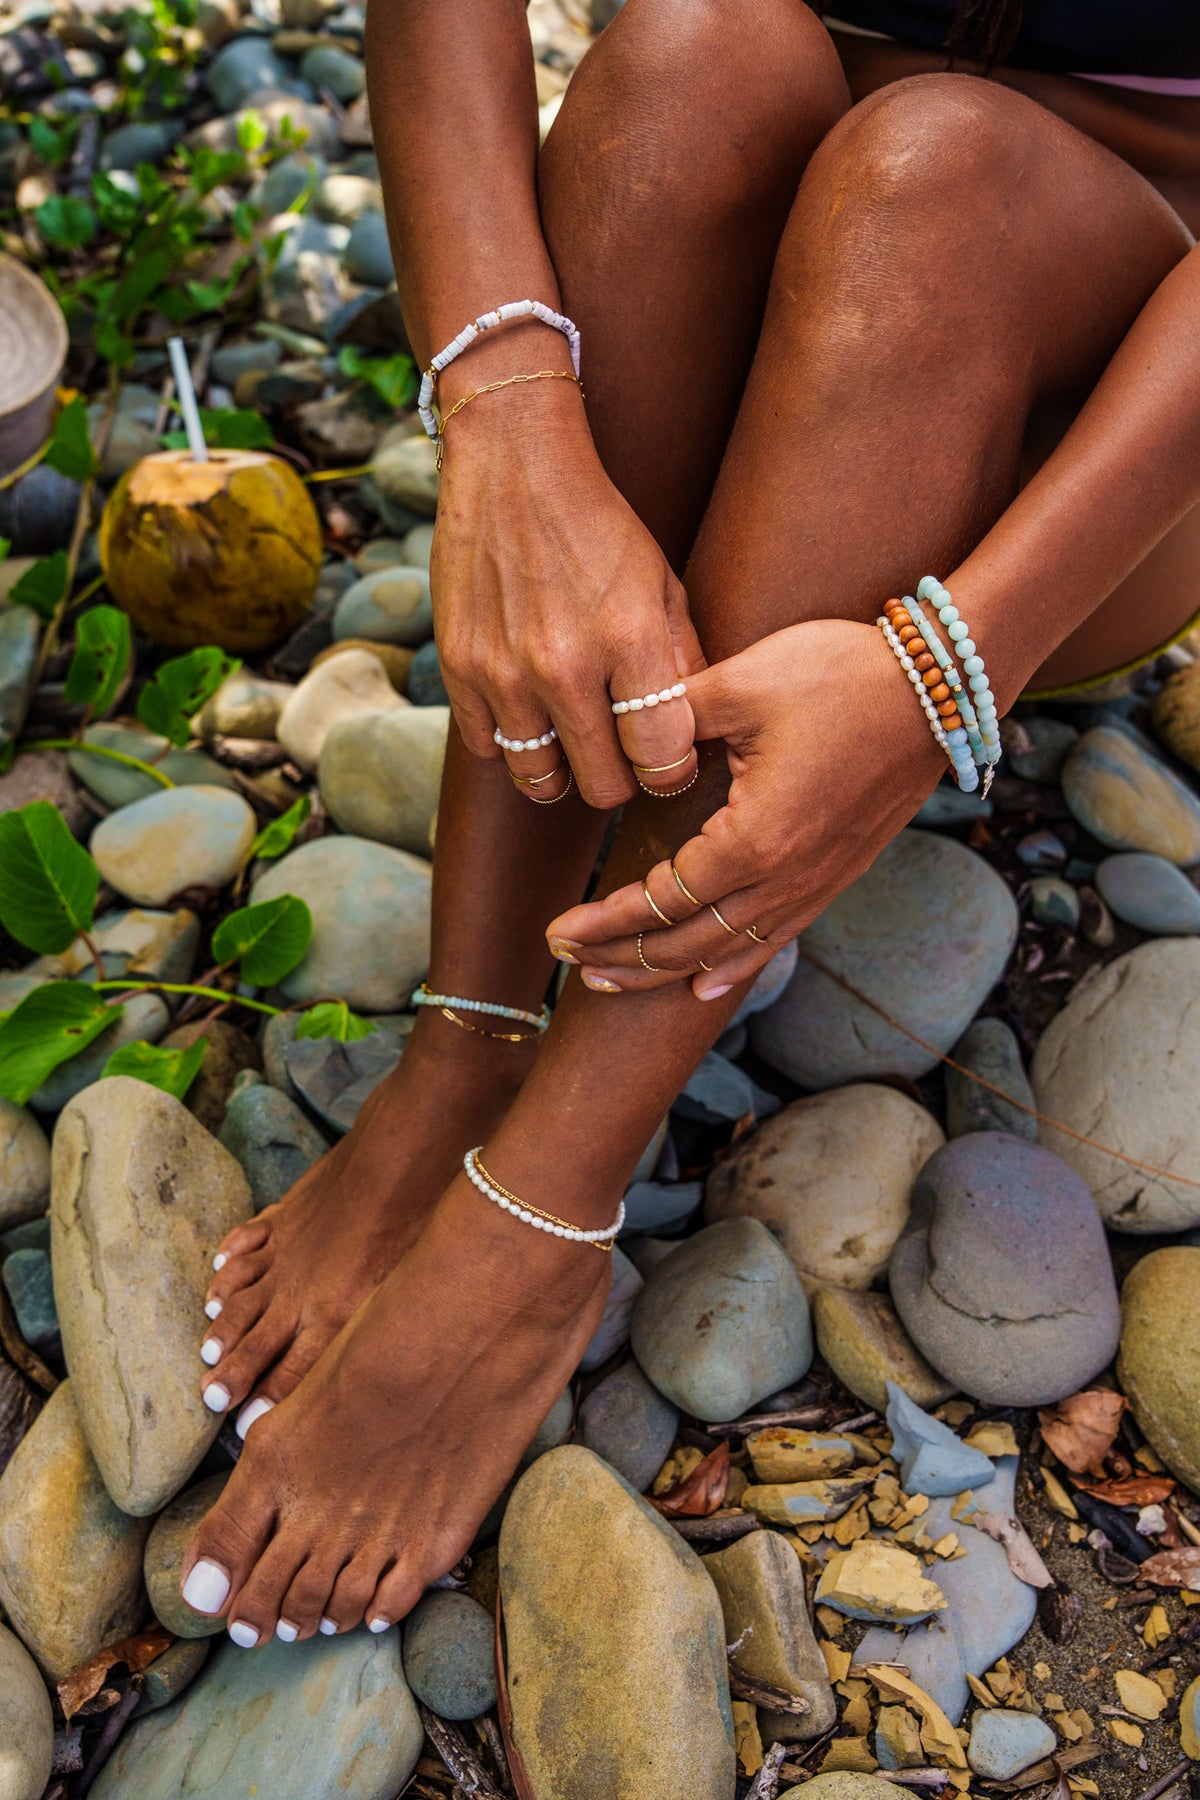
point(277, 837)
point(118, 211)
point(5, 547)
point(227, 428)
point(53, 143)
point(101, 659)
point(66, 221)
point(252, 131)
point(43, 586)
point(52, 1024)
point(333, 1018)
point(138, 284)
point(394, 378)
point(179, 689)
point(171, 1070)
point(70, 448)
point(48, 882)
point(266, 941)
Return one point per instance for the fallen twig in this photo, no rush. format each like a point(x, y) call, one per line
point(490, 1732)
point(721, 1528)
point(804, 1415)
point(765, 1693)
point(765, 1785)
point(458, 1757)
point(18, 1352)
point(117, 1721)
point(1165, 1781)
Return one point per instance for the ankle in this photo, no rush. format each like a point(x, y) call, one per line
point(517, 1267)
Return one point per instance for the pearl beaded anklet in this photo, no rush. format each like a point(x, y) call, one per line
point(534, 743)
point(672, 693)
point(533, 1215)
point(512, 309)
point(424, 996)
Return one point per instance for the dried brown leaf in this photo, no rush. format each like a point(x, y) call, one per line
point(1173, 1568)
point(1131, 1490)
point(1080, 1429)
point(1023, 1558)
point(700, 1493)
point(137, 1653)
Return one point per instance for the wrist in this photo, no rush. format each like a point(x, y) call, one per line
point(519, 347)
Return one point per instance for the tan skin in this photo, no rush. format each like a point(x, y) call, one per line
point(937, 270)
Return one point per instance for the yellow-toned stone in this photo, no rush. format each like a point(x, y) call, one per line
point(982, 1693)
point(782, 1454)
point(746, 1737)
point(1126, 1732)
point(833, 1623)
point(955, 1412)
point(1156, 1627)
point(1080, 1784)
point(878, 1580)
point(1067, 1727)
point(994, 1437)
point(1168, 1681)
point(1139, 1695)
point(1041, 1671)
point(837, 1661)
point(947, 1546)
point(1189, 1720)
point(677, 1467)
point(804, 1502)
point(396, 658)
point(899, 1731)
point(861, 1338)
point(852, 1754)
point(937, 1734)
point(1189, 1596)
point(1057, 1494)
point(856, 1717)
point(1055, 1702)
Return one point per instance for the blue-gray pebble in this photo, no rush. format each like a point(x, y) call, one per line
point(30, 1285)
point(1049, 741)
point(1003, 1743)
point(1150, 893)
point(392, 606)
point(1053, 901)
point(243, 67)
point(933, 1459)
point(989, 1048)
point(1128, 799)
point(271, 1138)
point(425, 686)
point(368, 255)
point(630, 1424)
point(449, 1654)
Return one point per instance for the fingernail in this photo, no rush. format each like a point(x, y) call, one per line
point(286, 1632)
point(327, 1628)
point(243, 1635)
point(216, 1398)
point(378, 1625)
point(562, 948)
point(251, 1413)
point(599, 984)
point(213, 1310)
point(210, 1352)
point(219, 1261)
point(714, 993)
point(206, 1588)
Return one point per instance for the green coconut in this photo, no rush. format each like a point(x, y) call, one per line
point(224, 552)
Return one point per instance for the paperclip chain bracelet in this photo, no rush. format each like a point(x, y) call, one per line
point(520, 1209)
point(425, 996)
point(488, 321)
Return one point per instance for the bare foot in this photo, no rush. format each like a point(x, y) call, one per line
point(372, 1479)
point(292, 1276)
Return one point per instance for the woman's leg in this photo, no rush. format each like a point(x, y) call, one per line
point(953, 255)
point(668, 180)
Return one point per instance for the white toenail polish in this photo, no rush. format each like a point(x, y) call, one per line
point(327, 1628)
point(216, 1398)
point(287, 1632)
point(206, 1588)
point(219, 1261)
point(250, 1414)
point(378, 1625)
point(213, 1310)
point(210, 1352)
point(243, 1635)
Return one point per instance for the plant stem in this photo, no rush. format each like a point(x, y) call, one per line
point(83, 513)
point(337, 474)
point(118, 756)
point(94, 953)
point(187, 987)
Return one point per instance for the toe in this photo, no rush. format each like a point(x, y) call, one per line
point(228, 1542)
point(255, 1610)
point(236, 1372)
point(229, 1324)
point(251, 1235)
point(394, 1598)
point(353, 1591)
point(291, 1368)
point(252, 1412)
point(239, 1273)
point(307, 1599)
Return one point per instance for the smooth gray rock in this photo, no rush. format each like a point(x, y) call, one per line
point(552, 1430)
point(933, 1459)
point(24, 1166)
point(46, 776)
point(272, 1139)
point(20, 633)
point(368, 255)
point(118, 785)
point(344, 198)
point(760, 1584)
point(1150, 893)
point(628, 1422)
point(182, 838)
point(280, 188)
point(380, 774)
point(330, 1715)
point(157, 946)
point(948, 806)
point(336, 689)
point(926, 902)
point(719, 1093)
point(167, 1677)
point(26, 1723)
point(30, 1285)
point(404, 472)
point(1128, 799)
point(1049, 741)
point(613, 1329)
point(144, 1017)
point(1003, 1743)
point(769, 983)
point(660, 1205)
point(1053, 901)
point(336, 70)
point(37, 512)
point(140, 142)
point(1002, 1276)
point(1042, 852)
point(425, 686)
point(392, 606)
point(241, 69)
point(335, 1078)
point(449, 1654)
point(723, 1321)
point(989, 1047)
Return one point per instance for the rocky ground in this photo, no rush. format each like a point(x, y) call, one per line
point(887, 1451)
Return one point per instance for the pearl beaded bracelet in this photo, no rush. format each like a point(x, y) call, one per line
point(512, 309)
point(660, 699)
point(534, 743)
point(478, 1176)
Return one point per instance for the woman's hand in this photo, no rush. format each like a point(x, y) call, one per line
point(830, 756)
point(551, 600)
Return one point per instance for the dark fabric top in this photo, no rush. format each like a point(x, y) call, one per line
point(1102, 37)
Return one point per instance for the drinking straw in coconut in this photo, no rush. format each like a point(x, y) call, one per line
point(186, 395)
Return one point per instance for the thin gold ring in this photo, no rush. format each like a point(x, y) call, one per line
point(642, 958)
point(536, 780)
point(655, 908)
point(684, 889)
point(752, 932)
point(557, 797)
point(705, 966)
point(669, 793)
point(660, 768)
point(720, 921)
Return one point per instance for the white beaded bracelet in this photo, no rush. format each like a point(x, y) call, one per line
point(534, 743)
point(424, 996)
point(533, 1215)
point(512, 309)
point(671, 693)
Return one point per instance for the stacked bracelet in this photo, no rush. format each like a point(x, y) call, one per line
point(983, 702)
point(424, 996)
point(512, 309)
point(963, 722)
point(533, 1215)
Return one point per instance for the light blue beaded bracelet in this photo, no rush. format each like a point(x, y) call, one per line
point(424, 996)
point(973, 742)
point(984, 703)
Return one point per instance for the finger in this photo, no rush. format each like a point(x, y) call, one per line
point(702, 945)
point(689, 657)
point(587, 732)
point(474, 718)
point(742, 965)
point(655, 723)
point(532, 752)
point(722, 702)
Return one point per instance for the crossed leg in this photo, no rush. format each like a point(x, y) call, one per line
point(955, 255)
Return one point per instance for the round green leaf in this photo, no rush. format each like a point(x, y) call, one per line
point(101, 659)
point(266, 940)
point(333, 1019)
point(51, 1025)
point(171, 1070)
point(48, 882)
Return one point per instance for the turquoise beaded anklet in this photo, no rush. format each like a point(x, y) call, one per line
point(425, 997)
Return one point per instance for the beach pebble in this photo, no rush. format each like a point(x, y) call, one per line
point(331, 1715)
point(1150, 893)
point(380, 775)
point(141, 1194)
point(370, 910)
point(652, 1206)
point(70, 1561)
point(768, 984)
point(166, 1548)
point(613, 1330)
point(30, 1287)
point(926, 902)
point(26, 1723)
point(861, 1338)
point(244, 707)
point(723, 1321)
point(1189, 1720)
point(340, 688)
point(118, 785)
point(20, 635)
point(1002, 1275)
point(1003, 1743)
point(1041, 851)
point(335, 1079)
point(397, 661)
point(552, 1430)
point(803, 1502)
point(636, 1637)
point(46, 776)
point(37, 511)
point(449, 1656)
point(1128, 799)
point(627, 1421)
point(933, 1459)
point(418, 546)
point(1048, 740)
point(181, 838)
point(1053, 901)
point(243, 67)
point(368, 255)
point(272, 1139)
point(425, 686)
point(1175, 714)
point(144, 1017)
point(404, 470)
point(337, 71)
point(391, 606)
point(140, 142)
point(1121, 1064)
point(876, 1579)
point(841, 1784)
point(345, 198)
point(24, 1166)
point(830, 1176)
point(989, 1048)
point(1159, 1362)
point(760, 1584)
point(228, 1053)
point(169, 1674)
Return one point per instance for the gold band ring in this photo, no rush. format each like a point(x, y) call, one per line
point(536, 780)
point(660, 768)
point(684, 889)
point(642, 957)
point(557, 797)
point(752, 932)
point(655, 908)
point(668, 793)
point(720, 921)
point(705, 966)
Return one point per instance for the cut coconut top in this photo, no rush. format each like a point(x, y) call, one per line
point(173, 478)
